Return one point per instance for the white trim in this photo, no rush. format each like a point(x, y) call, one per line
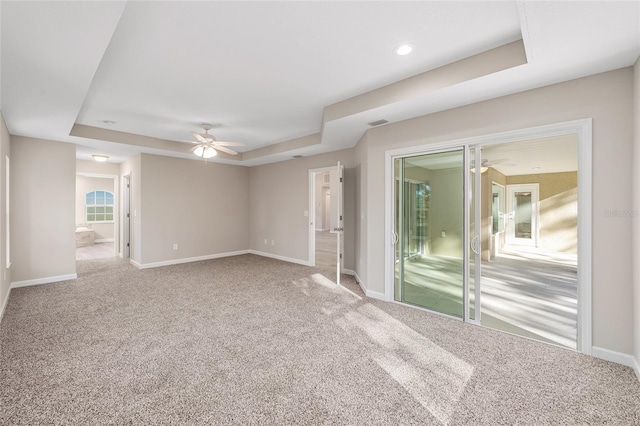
point(105, 240)
point(617, 357)
point(312, 213)
point(97, 175)
point(389, 211)
point(4, 304)
point(349, 272)
point(45, 280)
point(278, 257)
point(186, 259)
point(375, 295)
point(583, 129)
point(369, 293)
point(360, 283)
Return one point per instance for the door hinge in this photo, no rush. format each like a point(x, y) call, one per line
point(128, 215)
point(128, 186)
point(128, 245)
point(340, 217)
point(340, 255)
point(340, 179)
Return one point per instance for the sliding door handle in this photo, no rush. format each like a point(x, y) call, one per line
point(475, 244)
point(394, 236)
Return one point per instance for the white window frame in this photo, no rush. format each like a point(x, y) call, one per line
point(87, 206)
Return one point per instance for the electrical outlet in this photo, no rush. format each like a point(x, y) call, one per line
point(175, 246)
point(273, 242)
point(265, 241)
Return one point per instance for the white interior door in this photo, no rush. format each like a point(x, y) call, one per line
point(523, 211)
point(337, 207)
point(126, 217)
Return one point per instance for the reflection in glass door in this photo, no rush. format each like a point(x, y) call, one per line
point(429, 231)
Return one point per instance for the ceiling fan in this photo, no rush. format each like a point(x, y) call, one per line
point(207, 145)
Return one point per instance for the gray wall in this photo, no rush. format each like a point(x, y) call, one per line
point(279, 196)
point(446, 212)
point(607, 98)
point(203, 207)
point(43, 176)
point(5, 277)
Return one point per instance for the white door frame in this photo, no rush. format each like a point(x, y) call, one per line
point(126, 217)
point(583, 130)
point(312, 213)
point(534, 188)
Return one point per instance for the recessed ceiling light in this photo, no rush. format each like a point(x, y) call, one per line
point(404, 49)
point(536, 168)
point(100, 157)
point(109, 122)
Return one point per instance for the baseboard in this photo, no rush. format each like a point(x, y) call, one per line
point(186, 259)
point(360, 283)
point(376, 295)
point(45, 280)
point(617, 357)
point(5, 302)
point(369, 293)
point(278, 257)
point(349, 272)
point(105, 240)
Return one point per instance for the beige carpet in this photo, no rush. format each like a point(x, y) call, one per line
point(251, 340)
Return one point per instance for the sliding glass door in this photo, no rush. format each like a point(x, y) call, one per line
point(429, 233)
point(434, 237)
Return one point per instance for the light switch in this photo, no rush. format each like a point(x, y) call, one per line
point(306, 213)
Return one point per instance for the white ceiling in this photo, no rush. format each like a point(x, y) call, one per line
point(264, 72)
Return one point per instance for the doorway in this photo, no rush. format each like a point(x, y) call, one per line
point(326, 219)
point(96, 216)
point(496, 245)
point(429, 231)
point(522, 214)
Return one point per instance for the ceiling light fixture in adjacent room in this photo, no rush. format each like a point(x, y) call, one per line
point(403, 49)
point(108, 122)
point(100, 157)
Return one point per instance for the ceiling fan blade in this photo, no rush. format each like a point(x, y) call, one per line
point(199, 137)
point(223, 149)
point(224, 143)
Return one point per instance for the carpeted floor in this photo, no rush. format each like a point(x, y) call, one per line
point(251, 340)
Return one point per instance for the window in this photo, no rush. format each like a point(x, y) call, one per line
point(99, 206)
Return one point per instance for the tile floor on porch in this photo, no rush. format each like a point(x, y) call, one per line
point(528, 292)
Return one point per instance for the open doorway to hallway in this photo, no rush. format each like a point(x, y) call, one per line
point(325, 218)
point(529, 220)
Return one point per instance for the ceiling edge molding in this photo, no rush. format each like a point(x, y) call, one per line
point(489, 62)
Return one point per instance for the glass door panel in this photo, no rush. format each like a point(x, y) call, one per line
point(522, 205)
point(429, 231)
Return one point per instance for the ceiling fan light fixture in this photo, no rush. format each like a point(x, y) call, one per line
point(204, 151)
point(100, 157)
